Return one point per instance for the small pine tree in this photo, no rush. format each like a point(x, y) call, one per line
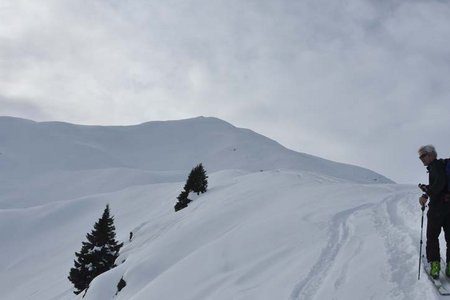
point(202, 184)
point(182, 200)
point(97, 255)
point(197, 180)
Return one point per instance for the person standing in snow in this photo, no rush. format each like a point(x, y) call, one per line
point(438, 214)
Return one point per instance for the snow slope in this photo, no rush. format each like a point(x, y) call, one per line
point(157, 146)
point(263, 235)
point(281, 233)
point(33, 154)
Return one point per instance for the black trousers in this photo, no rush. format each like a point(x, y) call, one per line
point(438, 217)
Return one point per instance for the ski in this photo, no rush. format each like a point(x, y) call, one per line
point(443, 271)
point(438, 283)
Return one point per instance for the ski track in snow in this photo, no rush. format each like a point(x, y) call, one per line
point(398, 247)
point(338, 235)
point(400, 243)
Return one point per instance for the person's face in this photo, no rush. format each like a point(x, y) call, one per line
point(426, 158)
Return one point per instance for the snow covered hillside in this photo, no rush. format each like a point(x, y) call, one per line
point(274, 224)
point(114, 157)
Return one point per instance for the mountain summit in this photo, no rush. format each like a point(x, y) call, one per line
point(29, 147)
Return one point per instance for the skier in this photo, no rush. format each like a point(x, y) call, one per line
point(438, 214)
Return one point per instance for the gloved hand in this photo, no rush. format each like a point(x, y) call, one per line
point(424, 188)
point(423, 200)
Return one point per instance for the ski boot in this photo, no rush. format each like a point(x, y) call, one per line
point(435, 269)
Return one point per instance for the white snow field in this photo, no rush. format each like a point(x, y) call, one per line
point(274, 224)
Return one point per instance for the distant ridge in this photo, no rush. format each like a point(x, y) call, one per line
point(36, 147)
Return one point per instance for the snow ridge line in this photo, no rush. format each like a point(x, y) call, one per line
point(338, 235)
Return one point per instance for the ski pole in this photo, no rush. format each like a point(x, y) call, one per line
point(421, 241)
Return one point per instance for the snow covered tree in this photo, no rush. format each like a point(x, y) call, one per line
point(197, 181)
point(97, 255)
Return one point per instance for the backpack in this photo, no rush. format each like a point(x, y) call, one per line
point(447, 172)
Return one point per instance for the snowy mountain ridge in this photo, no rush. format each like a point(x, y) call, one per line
point(155, 146)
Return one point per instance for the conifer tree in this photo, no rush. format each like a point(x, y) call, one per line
point(97, 255)
point(182, 200)
point(197, 180)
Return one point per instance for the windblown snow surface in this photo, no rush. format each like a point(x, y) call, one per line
point(262, 231)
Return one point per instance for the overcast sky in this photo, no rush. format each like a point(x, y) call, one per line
point(364, 82)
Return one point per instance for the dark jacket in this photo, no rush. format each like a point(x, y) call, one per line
point(437, 188)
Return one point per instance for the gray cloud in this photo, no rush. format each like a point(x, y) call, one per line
point(363, 82)
point(24, 108)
